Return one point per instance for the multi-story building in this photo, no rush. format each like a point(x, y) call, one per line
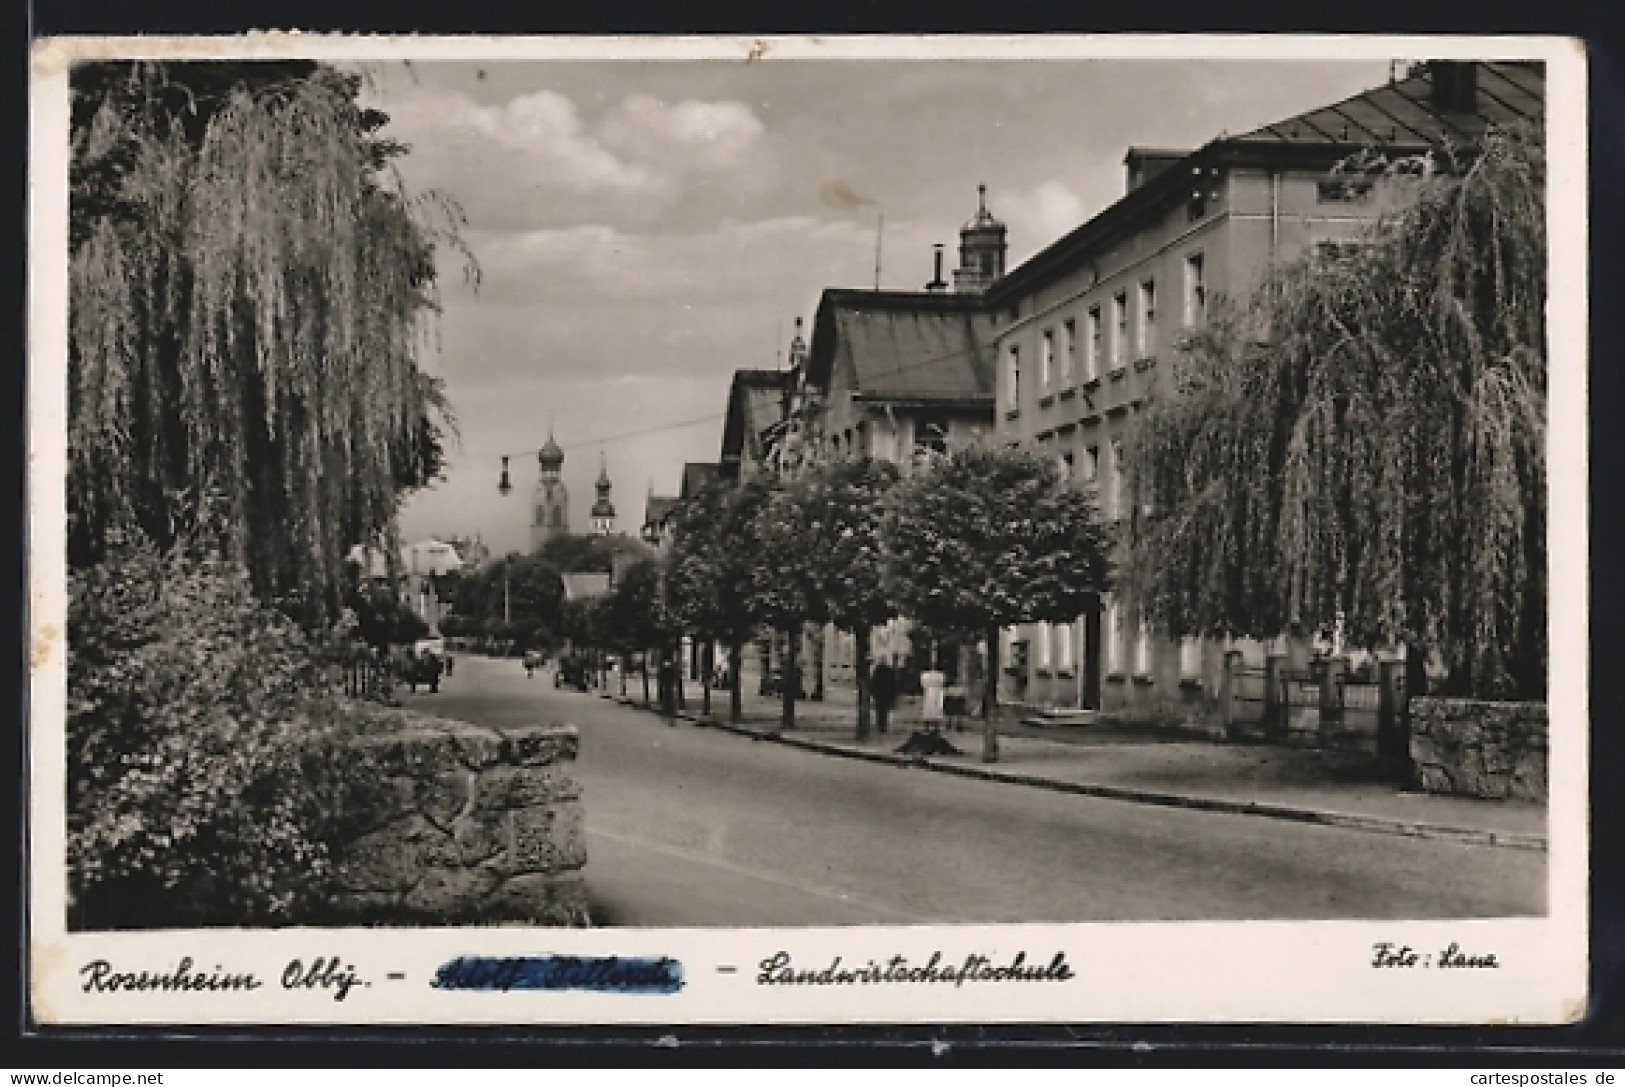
point(1083, 329)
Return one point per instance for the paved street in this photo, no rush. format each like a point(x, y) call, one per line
point(693, 827)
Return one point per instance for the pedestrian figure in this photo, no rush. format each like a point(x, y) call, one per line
point(409, 665)
point(530, 664)
point(883, 689)
point(450, 660)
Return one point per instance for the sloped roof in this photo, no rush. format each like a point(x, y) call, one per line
point(755, 402)
point(657, 508)
point(1404, 112)
point(696, 475)
point(902, 345)
point(1400, 117)
point(584, 586)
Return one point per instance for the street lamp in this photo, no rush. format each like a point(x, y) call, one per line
point(504, 485)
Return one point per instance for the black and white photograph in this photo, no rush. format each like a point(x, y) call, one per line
point(808, 530)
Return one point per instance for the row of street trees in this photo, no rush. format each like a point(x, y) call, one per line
point(967, 543)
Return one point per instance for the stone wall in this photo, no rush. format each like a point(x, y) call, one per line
point(1486, 749)
point(465, 825)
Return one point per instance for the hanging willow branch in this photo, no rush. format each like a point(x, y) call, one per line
point(249, 301)
point(1362, 444)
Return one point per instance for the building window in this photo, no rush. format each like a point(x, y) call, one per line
point(1066, 466)
point(1091, 350)
point(1013, 379)
point(1046, 359)
point(1344, 188)
point(1147, 343)
point(1069, 340)
point(1119, 327)
point(1142, 650)
point(1091, 463)
point(1195, 290)
point(1190, 658)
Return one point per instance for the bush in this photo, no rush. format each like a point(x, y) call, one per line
point(203, 784)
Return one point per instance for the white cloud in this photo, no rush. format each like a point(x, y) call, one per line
point(688, 135)
point(1040, 215)
point(537, 159)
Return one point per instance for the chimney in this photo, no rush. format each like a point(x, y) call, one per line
point(1455, 86)
point(937, 284)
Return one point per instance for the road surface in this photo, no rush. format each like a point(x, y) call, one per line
point(698, 827)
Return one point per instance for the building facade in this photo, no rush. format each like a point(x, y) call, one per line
point(1084, 330)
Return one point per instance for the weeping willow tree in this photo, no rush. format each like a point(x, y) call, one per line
point(1361, 446)
point(251, 289)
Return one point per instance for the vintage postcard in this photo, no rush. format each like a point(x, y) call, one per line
point(789, 530)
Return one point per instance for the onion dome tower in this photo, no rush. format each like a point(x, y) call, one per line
point(603, 510)
point(550, 506)
point(982, 249)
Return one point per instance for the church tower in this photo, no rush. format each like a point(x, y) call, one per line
point(603, 510)
point(981, 249)
point(550, 508)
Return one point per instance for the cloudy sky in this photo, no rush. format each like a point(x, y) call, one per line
point(643, 229)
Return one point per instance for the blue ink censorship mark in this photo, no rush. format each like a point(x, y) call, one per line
point(559, 973)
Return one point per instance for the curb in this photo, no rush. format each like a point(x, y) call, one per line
point(1375, 824)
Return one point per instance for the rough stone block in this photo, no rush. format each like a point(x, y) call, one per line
point(479, 838)
point(539, 898)
point(546, 839)
point(503, 787)
point(542, 745)
point(450, 893)
point(441, 797)
point(480, 748)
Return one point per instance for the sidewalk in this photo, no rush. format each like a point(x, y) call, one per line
point(1126, 762)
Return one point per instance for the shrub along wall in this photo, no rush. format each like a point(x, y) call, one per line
point(1484, 749)
point(464, 824)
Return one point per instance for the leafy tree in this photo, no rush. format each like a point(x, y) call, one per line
point(830, 527)
point(710, 570)
point(249, 294)
point(1361, 445)
point(637, 617)
point(978, 539)
point(791, 530)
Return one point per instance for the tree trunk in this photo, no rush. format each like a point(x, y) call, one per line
point(736, 702)
point(819, 630)
point(790, 676)
point(990, 698)
point(860, 665)
point(707, 670)
point(678, 702)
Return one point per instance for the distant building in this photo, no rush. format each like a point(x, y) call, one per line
point(550, 505)
point(757, 401)
point(585, 586)
point(417, 574)
point(1083, 328)
point(603, 510)
point(657, 510)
